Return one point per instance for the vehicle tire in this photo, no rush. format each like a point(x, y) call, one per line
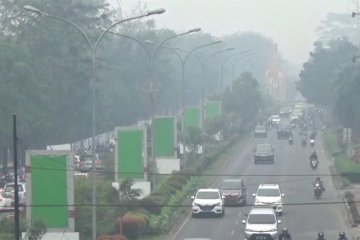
point(193, 215)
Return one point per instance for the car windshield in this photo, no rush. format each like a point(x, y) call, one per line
point(260, 128)
point(231, 185)
point(263, 148)
point(207, 195)
point(261, 219)
point(265, 192)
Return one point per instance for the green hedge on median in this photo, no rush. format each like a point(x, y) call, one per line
point(347, 168)
point(332, 142)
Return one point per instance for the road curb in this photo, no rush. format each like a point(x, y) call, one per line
point(347, 209)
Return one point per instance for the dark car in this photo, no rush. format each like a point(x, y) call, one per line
point(264, 153)
point(260, 131)
point(234, 191)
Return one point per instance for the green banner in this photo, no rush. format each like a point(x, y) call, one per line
point(212, 109)
point(49, 190)
point(192, 117)
point(164, 129)
point(130, 153)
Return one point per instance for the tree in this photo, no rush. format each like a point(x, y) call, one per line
point(347, 99)
point(127, 193)
point(338, 26)
point(243, 100)
point(320, 71)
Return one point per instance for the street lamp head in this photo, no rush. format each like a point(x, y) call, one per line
point(156, 11)
point(32, 9)
point(194, 30)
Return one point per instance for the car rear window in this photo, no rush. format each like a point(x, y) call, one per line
point(231, 185)
point(268, 192)
point(207, 195)
point(261, 219)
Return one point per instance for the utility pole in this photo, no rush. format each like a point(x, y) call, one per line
point(16, 192)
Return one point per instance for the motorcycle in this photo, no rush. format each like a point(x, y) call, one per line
point(291, 140)
point(317, 190)
point(314, 163)
point(312, 142)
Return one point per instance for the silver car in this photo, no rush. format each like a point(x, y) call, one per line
point(261, 224)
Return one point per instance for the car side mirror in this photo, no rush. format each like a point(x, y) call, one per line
point(223, 197)
point(279, 221)
point(283, 194)
point(243, 221)
point(254, 195)
point(192, 197)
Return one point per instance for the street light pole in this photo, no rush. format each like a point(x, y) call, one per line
point(183, 63)
point(93, 48)
point(152, 57)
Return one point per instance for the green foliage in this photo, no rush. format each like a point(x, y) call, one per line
point(127, 193)
point(332, 142)
point(338, 26)
point(320, 72)
point(347, 99)
point(107, 197)
point(194, 138)
point(243, 101)
point(347, 168)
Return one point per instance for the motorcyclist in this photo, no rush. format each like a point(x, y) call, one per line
point(320, 236)
point(318, 180)
point(342, 236)
point(290, 139)
point(313, 155)
point(284, 235)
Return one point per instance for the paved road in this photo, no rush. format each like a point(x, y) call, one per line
point(303, 215)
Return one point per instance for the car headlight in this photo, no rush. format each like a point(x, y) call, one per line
point(196, 204)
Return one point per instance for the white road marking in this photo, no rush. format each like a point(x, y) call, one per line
point(232, 232)
point(181, 227)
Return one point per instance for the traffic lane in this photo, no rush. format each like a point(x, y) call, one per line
point(315, 215)
point(303, 214)
point(221, 228)
point(303, 220)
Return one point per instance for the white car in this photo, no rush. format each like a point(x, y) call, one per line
point(4, 200)
point(9, 192)
point(261, 224)
point(269, 195)
point(208, 201)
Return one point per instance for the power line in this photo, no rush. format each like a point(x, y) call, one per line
point(208, 174)
point(180, 205)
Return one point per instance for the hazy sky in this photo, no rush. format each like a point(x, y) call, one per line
point(290, 23)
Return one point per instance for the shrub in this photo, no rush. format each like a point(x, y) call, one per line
point(132, 226)
point(175, 185)
point(347, 168)
point(152, 205)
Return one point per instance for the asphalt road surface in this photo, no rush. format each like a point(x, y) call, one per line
point(303, 215)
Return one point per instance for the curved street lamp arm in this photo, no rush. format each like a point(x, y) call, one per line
point(112, 26)
point(134, 39)
point(162, 42)
point(199, 47)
